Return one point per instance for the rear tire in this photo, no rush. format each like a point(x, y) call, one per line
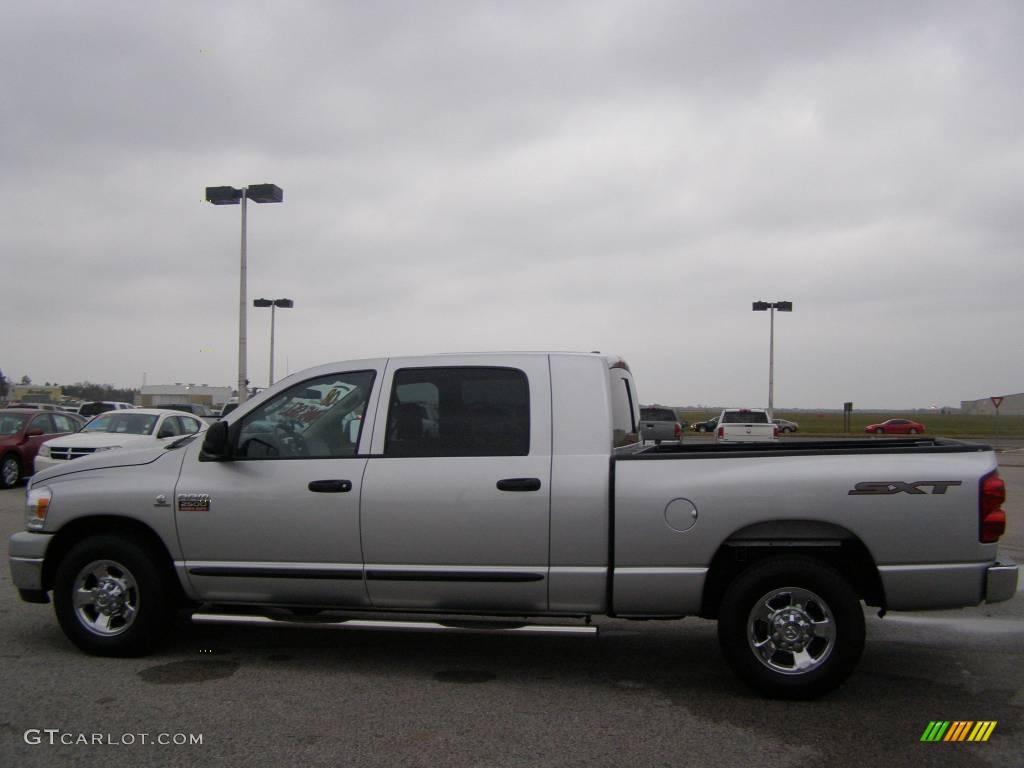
point(791, 627)
point(111, 598)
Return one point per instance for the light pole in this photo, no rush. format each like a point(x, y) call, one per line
point(782, 306)
point(273, 304)
point(258, 193)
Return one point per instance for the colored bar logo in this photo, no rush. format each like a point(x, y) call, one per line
point(959, 730)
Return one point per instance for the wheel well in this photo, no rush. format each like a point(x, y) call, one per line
point(83, 528)
point(849, 556)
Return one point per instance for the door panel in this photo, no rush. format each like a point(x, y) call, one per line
point(280, 521)
point(265, 536)
point(438, 534)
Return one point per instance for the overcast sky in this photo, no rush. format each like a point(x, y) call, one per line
point(458, 176)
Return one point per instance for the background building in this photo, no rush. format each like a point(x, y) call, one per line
point(1012, 405)
point(31, 393)
point(155, 395)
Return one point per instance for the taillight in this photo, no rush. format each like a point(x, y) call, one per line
point(677, 431)
point(775, 433)
point(991, 518)
point(721, 432)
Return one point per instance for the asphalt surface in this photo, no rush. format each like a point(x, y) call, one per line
point(640, 694)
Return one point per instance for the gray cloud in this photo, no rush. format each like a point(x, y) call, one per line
point(590, 175)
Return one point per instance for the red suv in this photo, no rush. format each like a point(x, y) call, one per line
point(22, 431)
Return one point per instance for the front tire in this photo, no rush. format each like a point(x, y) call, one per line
point(791, 627)
point(10, 471)
point(879, 431)
point(911, 431)
point(111, 598)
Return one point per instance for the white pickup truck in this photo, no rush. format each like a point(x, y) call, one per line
point(510, 485)
point(745, 425)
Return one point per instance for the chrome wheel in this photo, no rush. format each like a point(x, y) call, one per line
point(106, 598)
point(791, 630)
point(10, 471)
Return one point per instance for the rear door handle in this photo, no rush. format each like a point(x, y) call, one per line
point(330, 486)
point(519, 484)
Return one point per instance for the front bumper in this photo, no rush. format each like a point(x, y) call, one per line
point(27, 552)
point(1001, 581)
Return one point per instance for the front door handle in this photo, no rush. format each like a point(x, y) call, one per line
point(519, 484)
point(330, 486)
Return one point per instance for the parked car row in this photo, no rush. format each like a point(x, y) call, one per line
point(32, 440)
point(22, 432)
point(658, 423)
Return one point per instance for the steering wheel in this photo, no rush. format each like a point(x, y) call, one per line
point(290, 439)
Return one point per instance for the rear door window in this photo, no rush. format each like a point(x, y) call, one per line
point(458, 411)
point(63, 423)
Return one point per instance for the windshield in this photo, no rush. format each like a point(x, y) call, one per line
point(122, 423)
point(11, 423)
point(657, 414)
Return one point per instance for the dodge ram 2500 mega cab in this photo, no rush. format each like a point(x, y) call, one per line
point(510, 485)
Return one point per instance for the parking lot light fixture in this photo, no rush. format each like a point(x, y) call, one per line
point(259, 193)
point(273, 304)
point(771, 306)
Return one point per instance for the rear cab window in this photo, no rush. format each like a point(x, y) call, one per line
point(658, 414)
point(625, 408)
point(745, 417)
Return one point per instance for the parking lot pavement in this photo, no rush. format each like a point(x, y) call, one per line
point(640, 694)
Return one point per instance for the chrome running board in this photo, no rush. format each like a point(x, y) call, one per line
point(465, 627)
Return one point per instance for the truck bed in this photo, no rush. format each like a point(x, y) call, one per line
point(801, 447)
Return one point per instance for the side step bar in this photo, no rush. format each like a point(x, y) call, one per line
point(465, 627)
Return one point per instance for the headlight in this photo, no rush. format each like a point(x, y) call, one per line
point(106, 448)
point(37, 503)
point(44, 450)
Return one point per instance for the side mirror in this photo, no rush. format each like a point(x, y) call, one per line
point(216, 446)
point(35, 432)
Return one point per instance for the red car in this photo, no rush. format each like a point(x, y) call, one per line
point(22, 431)
point(895, 427)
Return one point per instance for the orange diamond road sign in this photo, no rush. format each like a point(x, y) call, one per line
point(996, 401)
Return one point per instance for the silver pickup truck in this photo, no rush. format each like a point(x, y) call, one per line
point(510, 485)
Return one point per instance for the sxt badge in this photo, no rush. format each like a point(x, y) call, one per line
point(887, 488)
